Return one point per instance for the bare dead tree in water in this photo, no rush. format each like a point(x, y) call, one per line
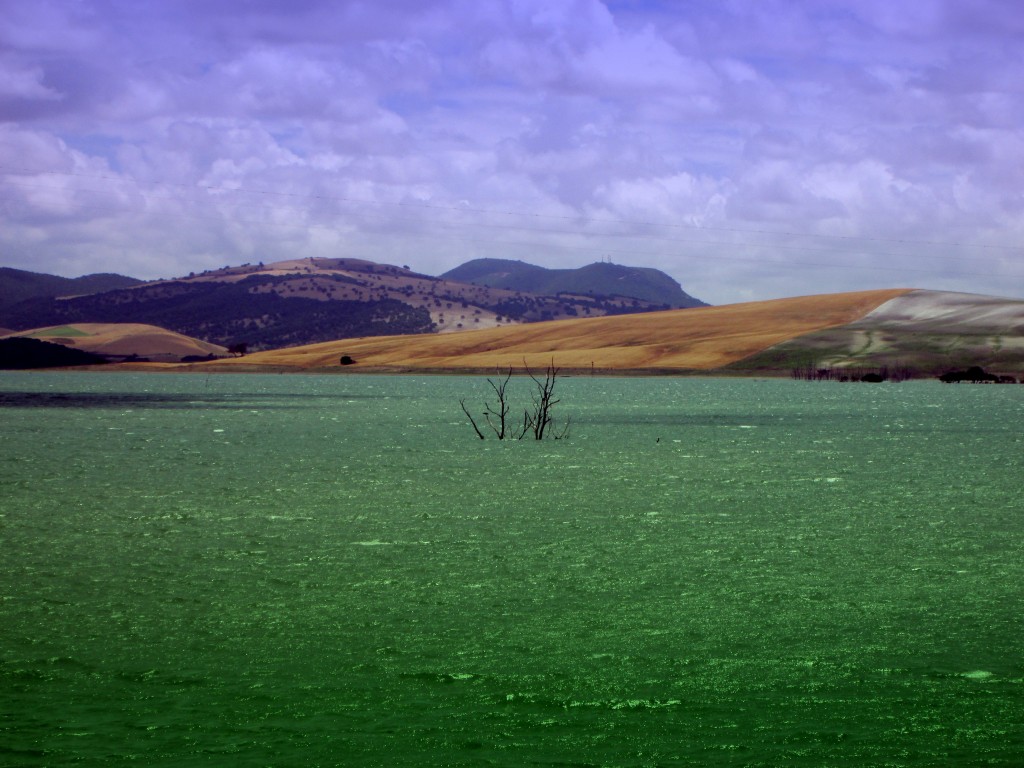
point(500, 414)
point(472, 421)
point(540, 419)
point(537, 421)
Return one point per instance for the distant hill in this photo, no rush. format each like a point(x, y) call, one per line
point(922, 333)
point(116, 342)
point(17, 285)
point(928, 332)
point(303, 301)
point(596, 280)
point(251, 311)
point(679, 340)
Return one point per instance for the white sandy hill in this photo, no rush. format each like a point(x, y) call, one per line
point(947, 311)
point(124, 340)
point(929, 332)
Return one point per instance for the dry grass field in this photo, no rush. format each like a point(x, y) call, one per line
point(704, 338)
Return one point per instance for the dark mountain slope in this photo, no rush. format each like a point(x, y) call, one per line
point(17, 285)
point(246, 311)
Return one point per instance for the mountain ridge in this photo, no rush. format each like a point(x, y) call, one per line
point(302, 301)
point(599, 278)
point(18, 285)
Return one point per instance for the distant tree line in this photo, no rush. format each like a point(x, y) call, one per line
point(972, 375)
point(882, 373)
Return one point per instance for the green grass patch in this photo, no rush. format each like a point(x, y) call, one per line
point(64, 331)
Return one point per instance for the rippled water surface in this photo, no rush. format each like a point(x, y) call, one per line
point(288, 570)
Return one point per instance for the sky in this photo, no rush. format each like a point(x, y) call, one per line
point(751, 149)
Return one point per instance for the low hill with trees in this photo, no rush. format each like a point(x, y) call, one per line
point(303, 301)
point(249, 311)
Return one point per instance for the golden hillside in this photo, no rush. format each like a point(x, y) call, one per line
point(122, 340)
point(703, 338)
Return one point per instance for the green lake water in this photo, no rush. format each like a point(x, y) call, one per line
point(297, 570)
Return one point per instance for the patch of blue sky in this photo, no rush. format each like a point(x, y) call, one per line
point(97, 145)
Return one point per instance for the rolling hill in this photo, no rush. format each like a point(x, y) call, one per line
point(18, 285)
point(303, 301)
point(306, 314)
point(126, 341)
point(704, 338)
point(927, 331)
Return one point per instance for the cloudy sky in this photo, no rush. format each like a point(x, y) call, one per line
point(750, 148)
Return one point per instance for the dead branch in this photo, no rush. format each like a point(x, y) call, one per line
point(472, 421)
point(538, 421)
point(543, 401)
point(501, 414)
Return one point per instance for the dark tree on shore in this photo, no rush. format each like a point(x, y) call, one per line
point(974, 375)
